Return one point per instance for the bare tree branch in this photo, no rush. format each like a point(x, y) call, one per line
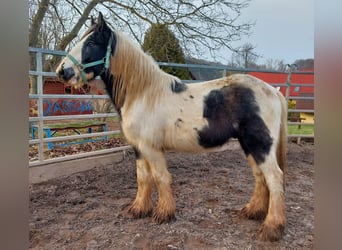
point(201, 26)
point(37, 22)
point(73, 33)
point(245, 56)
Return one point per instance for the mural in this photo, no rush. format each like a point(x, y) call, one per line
point(55, 107)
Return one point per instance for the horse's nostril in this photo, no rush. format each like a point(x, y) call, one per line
point(66, 74)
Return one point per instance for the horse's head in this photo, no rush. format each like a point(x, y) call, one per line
point(90, 56)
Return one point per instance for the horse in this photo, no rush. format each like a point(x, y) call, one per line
point(159, 113)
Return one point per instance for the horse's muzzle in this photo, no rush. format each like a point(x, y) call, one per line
point(65, 73)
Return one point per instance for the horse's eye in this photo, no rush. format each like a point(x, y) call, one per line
point(91, 44)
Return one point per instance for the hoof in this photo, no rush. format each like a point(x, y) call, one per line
point(136, 213)
point(162, 217)
point(253, 214)
point(270, 233)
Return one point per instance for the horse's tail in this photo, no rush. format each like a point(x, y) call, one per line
point(281, 147)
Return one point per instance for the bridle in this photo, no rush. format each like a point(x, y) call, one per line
point(105, 60)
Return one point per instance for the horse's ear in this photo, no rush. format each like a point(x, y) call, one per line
point(101, 23)
point(92, 19)
point(100, 17)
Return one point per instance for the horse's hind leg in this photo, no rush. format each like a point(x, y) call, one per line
point(258, 205)
point(142, 205)
point(274, 224)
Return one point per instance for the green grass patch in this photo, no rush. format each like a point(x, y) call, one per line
point(303, 130)
point(112, 119)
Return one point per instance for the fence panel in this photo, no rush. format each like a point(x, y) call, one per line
point(40, 121)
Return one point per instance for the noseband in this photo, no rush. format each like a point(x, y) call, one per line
point(105, 60)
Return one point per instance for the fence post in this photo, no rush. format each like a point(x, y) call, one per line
point(39, 69)
point(288, 80)
point(288, 86)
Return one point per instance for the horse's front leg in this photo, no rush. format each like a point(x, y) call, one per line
point(166, 207)
point(142, 205)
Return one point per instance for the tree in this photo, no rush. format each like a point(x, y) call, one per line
point(275, 64)
point(305, 64)
point(245, 56)
point(53, 24)
point(36, 22)
point(199, 25)
point(163, 46)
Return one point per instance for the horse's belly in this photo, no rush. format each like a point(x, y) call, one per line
point(188, 141)
point(196, 148)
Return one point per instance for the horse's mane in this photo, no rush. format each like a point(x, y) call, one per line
point(136, 73)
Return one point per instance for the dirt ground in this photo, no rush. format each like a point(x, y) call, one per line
point(88, 210)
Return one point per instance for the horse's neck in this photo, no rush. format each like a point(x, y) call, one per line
point(135, 66)
point(136, 74)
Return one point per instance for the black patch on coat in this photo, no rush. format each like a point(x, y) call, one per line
point(178, 87)
point(107, 79)
point(137, 153)
point(114, 87)
point(232, 112)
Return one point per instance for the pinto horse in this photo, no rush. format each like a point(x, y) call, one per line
point(159, 113)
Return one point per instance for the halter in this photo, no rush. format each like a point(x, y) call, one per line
point(105, 60)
